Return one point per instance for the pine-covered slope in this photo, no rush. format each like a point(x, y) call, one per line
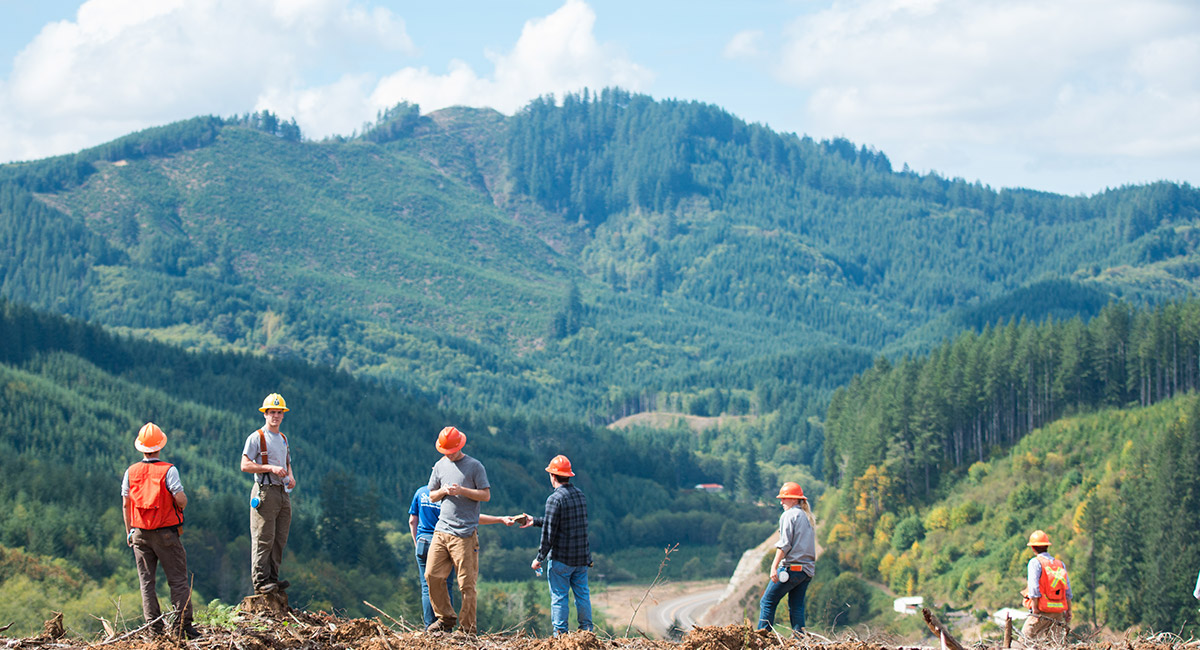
point(585, 257)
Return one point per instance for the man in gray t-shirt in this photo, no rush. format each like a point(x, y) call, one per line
point(460, 484)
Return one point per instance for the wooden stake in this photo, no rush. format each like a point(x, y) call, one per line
point(1008, 630)
point(939, 630)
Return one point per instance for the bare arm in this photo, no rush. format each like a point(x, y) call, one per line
point(493, 519)
point(180, 500)
point(475, 494)
point(251, 467)
point(412, 526)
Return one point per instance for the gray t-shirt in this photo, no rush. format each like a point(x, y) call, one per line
point(460, 515)
point(797, 540)
point(277, 454)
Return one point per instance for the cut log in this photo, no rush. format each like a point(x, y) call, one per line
point(939, 630)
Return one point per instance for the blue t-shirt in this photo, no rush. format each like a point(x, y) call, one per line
point(427, 511)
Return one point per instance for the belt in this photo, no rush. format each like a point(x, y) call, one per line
point(796, 567)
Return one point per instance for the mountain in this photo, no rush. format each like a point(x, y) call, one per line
point(589, 256)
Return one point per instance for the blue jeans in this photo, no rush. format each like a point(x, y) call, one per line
point(422, 555)
point(794, 589)
point(575, 578)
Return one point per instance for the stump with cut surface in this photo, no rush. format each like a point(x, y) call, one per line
point(53, 628)
point(275, 603)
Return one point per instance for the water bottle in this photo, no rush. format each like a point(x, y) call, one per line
point(538, 572)
point(254, 500)
point(783, 573)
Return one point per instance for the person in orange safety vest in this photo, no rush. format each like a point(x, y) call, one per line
point(1048, 590)
point(152, 503)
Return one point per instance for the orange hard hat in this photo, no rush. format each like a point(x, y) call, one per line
point(450, 440)
point(150, 438)
point(1039, 538)
point(560, 466)
point(791, 490)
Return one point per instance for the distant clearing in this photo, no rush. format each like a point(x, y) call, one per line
point(664, 420)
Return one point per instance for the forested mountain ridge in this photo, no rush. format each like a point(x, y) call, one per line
point(441, 249)
point(592, 256)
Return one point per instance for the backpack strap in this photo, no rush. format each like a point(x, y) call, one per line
point(262, 445)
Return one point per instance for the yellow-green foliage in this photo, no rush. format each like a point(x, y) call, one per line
point(32, 588)
point(1063, 478)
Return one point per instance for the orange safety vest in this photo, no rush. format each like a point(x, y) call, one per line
point(151, 504)
point(1053, 586)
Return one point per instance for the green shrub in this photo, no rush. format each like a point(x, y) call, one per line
point(909, 530)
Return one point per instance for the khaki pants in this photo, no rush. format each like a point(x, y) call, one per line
point(150, 547)
point(1043, 623)
point(269, 525)
point(461, 554)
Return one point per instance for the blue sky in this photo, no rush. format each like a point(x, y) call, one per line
point(1070, 96)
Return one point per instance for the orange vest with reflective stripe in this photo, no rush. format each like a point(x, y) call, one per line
point(151, 504)
point(1053, 585)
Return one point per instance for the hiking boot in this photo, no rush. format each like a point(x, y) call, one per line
point(283, 584)
point(438, 626)
point(156, 629)
point(190, 632)
point(266, 588)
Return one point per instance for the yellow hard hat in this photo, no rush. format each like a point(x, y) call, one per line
point(150, 438)
point(274, 401)
point(1039, 538)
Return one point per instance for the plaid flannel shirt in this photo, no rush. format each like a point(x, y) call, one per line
point(564, 528)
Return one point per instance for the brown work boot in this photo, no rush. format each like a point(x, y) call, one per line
point(440, 626)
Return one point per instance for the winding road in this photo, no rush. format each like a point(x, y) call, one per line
point(682, 611)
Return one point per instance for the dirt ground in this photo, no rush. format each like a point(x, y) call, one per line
point(309, 631)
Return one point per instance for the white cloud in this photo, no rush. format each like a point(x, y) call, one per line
point(555, 54)
point(744, 45)
point(1042, 81)
point(121, 65)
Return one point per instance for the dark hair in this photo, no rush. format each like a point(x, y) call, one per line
point(1038, 550)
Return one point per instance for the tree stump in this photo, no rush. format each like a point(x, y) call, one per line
point(274, 603)
point(53, 628)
